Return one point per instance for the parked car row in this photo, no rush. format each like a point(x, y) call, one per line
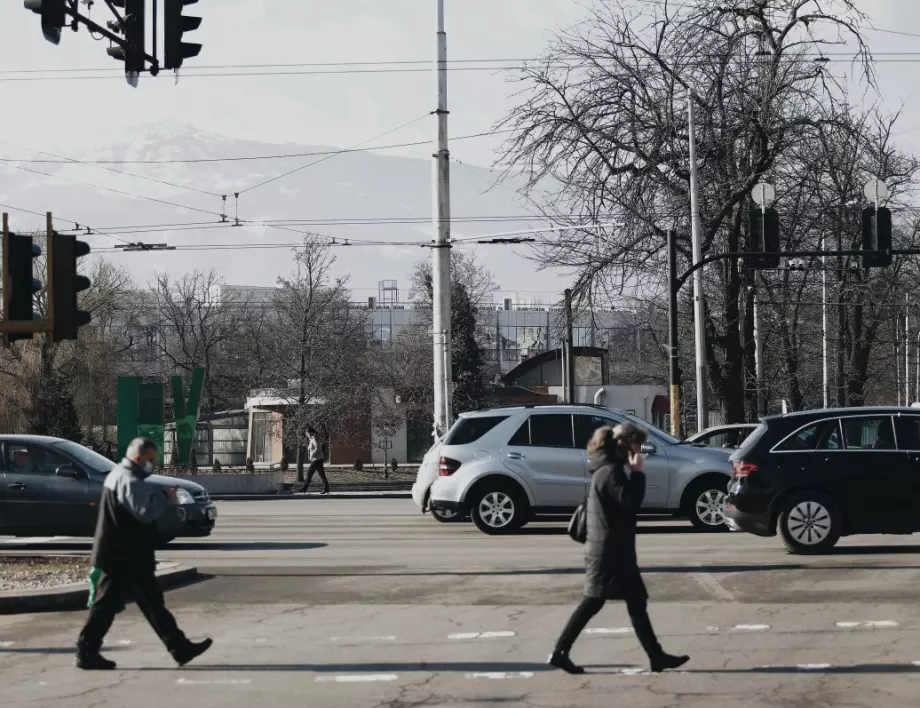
point(52, 487)
point(810, 477)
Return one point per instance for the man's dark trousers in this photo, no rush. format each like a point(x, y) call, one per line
point(111, 592)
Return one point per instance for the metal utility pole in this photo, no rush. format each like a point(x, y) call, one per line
point(440, 279)
point(569, 350)
point(758, 351)
point(673, 349)
point(825, 386)
point(907, 350)
point(699, 330)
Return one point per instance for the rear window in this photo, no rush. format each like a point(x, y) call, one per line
point(467, 430)
point(751, 440)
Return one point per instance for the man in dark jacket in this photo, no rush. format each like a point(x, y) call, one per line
point(616, 494)
point(124, 556)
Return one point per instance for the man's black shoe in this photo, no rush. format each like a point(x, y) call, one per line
point(93, 662)
point(563, 662)
point(667, 661)
point(191, 651)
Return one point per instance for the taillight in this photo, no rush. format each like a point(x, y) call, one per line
point(742, 469)
point(447, 466)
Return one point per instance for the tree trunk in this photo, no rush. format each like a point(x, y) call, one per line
point(301, 404)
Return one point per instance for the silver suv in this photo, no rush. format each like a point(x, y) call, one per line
point(504, 466)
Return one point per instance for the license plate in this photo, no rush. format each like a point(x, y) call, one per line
point(212, 514)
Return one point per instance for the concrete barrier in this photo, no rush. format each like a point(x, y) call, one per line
point(258, 483)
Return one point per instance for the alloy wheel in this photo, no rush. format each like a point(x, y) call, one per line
point(496, 509)
point(710, 507)
point(809, 523)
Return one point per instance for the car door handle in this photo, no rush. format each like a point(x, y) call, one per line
point(17, 485)
point(515, 456)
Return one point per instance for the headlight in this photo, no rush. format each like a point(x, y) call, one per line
point(184, 497)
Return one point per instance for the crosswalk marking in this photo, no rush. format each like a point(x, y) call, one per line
point(357, 678)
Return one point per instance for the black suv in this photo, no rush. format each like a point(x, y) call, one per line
point(818, 475)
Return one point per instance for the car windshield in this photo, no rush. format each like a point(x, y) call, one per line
point(669, 439)
point(86, 457)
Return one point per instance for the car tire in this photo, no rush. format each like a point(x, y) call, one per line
point(498, 508)
point(704, 503)
point(446, 516)
point(809, 523)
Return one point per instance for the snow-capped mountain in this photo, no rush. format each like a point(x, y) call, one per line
point(392, 193)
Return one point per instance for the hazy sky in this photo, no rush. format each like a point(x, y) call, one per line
point(337, 109)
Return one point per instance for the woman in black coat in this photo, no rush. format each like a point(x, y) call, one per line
point(615, 495)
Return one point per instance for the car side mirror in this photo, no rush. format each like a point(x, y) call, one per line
point(68, 471)
point(649, 448)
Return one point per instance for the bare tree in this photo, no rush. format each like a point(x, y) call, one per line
point(601, 136)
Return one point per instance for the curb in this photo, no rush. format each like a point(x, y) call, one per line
point(74, 597)
point(316, 496)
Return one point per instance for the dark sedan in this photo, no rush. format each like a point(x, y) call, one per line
point(815, 476)
point(52, 487)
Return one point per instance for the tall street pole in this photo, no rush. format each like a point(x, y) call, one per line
point(440, 280)
point(699, 331)
point(569, 350)
point(758, 351)
point(673, 348)
point(907, 350)
point(826, 386)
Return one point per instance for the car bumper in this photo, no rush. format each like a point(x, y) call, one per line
point(757, 524)
point(191, 520)
point(419, 492)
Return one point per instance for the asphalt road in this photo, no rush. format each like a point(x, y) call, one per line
point(366, 603)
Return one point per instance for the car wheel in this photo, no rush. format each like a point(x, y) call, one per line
point(445, 516)
point(498, 509)
point(809, 523)
point(704, 504)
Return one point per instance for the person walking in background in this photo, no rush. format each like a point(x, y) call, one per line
point(124, 561)
point(316, 453)
point(616, 491)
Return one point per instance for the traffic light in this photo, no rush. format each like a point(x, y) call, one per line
point(63, 254)
point(175, 25)
point(19, 285)
point(54, 17)
point(133, 55)
point(765, 247)
point(876, 237)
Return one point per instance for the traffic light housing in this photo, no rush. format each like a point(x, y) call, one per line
point(764, 247)
point(19, 285)
point(175, 25)
point(876, 237)
point(54, 17)
point(64, 253)
point(135, 28)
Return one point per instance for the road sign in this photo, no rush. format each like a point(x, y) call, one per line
point(875, 190)
point(763, 194)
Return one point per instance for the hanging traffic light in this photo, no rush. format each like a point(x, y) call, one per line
point(19, 285)
point(54, 17)
point(66, 285)
point(876, 237)
point(764, 247)
point(134, 30)
point(175, 25)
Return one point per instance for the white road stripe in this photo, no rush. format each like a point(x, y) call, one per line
point(501, 675)
point(813, 667)
point(212, 682)
point(879, 624)
point(751, 627)
point(6, 645)
point(357, 678)
point(709, 583)
point(915, 663)
point(481, 635)
point(609, 630)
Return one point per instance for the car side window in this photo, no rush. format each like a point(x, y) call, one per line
point(32, 459)
point(551, 430)
point(868, 433)
point(522, 436)
point(820, 436)
point(585, 425)
point(908, 432)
